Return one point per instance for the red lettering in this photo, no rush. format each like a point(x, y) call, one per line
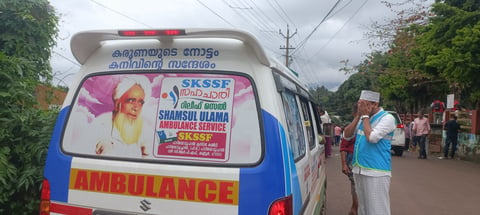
point(150, 188)
point(99, 181)
point(155, 186)
point(81, 182)
point(167, 188)
point(118, 183)
point(186, 191)
point(225, 192)
point(206, 191)
point(135, 184)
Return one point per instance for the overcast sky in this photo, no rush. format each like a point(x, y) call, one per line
point(319, 46)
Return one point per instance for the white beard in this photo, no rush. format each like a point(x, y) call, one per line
point(129, 129)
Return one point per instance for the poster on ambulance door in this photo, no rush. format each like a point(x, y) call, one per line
point(165, 116)
point(194, 118)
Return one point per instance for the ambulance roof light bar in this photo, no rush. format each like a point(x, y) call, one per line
point(173, 32)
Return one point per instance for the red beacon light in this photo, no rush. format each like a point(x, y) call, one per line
point(134, 33)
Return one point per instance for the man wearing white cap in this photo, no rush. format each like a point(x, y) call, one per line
point(123, 127)
point(371, 158)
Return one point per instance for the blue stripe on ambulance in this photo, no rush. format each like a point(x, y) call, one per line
point(57, 169)
point(293, 183)
point(268, 180)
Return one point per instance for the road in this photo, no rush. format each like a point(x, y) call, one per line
point(418, 187)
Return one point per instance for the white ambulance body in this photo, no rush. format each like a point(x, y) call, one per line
point(183, 121)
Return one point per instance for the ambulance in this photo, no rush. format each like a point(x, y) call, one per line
point(183, 121)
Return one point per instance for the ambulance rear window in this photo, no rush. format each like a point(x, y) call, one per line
point(166, 117)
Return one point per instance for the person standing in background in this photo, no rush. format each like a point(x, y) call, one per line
point(421, 128)
point(437, 107)
point(452, 128)
point(407, 132)
point(346, 155)
point(413, 145)
point(338, 133)
point(324, 117)
point(327, 131)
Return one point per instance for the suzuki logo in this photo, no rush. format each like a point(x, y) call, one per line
point(145, 205)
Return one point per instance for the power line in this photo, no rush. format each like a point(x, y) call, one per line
point(76, 63)
point(259, 19)
point(344, 6)
point(244, 12)
point(306, 67)
point(62, 80)
point(286, 15)
point(120, 13)
point(270, 20)
point(278, 13)
point(304, 41)
point(66, 58)
point(344, 24)
point(67, 71)
point(216, 14)
point(263, 18)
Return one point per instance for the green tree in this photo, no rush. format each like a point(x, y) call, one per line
point(402, 79)
point(406, 86)
point(431, 54)
point(27, 33)
point(322, 96)
point(421, 55)
point(450, 48)
point(349, 92)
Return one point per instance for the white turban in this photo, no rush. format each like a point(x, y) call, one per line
point(370, 96)
point(128, 82)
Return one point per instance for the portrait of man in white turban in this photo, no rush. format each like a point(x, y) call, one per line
point(125, 121)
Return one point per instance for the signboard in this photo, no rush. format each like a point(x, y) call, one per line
point(194, 118)
point(450, 101)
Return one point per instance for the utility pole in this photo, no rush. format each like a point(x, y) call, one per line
point(287, 47)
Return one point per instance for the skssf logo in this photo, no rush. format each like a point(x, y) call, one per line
point(173, 96)
point(206, 83)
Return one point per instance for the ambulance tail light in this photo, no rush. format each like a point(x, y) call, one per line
point(281, 206)
point(45, 198)
point(136, 33)
point(400, 126)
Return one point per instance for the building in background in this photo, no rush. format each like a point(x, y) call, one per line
point(50, 97)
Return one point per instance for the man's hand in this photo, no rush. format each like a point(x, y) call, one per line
point(144, 151)
point(99, 148)
point(345, 169)
point(102, 146)
point(364, 107)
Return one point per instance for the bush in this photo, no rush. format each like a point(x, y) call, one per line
point(24, 136)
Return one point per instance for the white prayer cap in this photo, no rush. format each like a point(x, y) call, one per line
point(127, 82)
point(370, 96)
